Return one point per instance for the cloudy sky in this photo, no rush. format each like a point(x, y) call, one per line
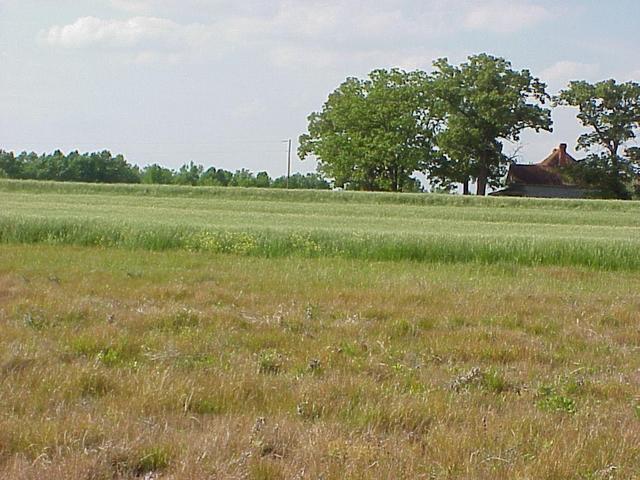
point(223, 82)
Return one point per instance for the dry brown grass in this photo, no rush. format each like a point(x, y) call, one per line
point(117, 364)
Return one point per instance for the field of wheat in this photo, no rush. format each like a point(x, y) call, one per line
point(324, 224)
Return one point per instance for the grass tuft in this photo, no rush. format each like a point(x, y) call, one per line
point(270, 362)
point(94, 384)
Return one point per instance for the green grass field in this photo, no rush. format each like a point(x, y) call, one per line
point(196, 333)
point(325, 224)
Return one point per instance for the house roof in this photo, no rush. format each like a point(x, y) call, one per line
point(543, 173)
point(533, 175)
point(559, 158)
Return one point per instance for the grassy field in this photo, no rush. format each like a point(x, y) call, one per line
point(165, 333)
point(272, 223)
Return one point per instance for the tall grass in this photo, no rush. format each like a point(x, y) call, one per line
point(268, 223)
point(533, 250)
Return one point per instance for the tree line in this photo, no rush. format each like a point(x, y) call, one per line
point(452, 125)
point(103, 167)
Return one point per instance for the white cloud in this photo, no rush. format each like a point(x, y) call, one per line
point(322, 22)
point(303, 57)
point(201, 8)
point(250, 109)
point(561, 73)
point(137, 32)
point(355, 61)
point(416, 61)
point(505, 16)
point(148, 57)
point(354, 17)
point(293, 33)
point(132, 6)
point(314, 34)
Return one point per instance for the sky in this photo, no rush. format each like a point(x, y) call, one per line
point(224, 82)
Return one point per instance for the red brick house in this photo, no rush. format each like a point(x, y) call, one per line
point(542, 179)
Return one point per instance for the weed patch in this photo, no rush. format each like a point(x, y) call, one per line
point(549, 400)
point(270, 362)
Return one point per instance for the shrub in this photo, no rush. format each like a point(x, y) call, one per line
point(550, 401)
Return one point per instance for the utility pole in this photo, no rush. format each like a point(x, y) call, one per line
point(288, 161)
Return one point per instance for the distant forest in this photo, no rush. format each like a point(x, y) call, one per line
point(103, 167)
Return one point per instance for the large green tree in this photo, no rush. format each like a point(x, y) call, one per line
point(189, 174)
point(611, 112)
point(481, 104)
point(373, 134)
point(156, 174)
point(10, 165)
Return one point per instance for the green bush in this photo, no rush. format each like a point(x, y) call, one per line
point(550, 401)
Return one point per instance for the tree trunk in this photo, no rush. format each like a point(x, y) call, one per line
point(481, 189)
point(396, 179)
point(465, 187)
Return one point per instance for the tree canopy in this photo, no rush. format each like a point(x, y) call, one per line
point(611, 112)
point(373, 134)
point(481, 104)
